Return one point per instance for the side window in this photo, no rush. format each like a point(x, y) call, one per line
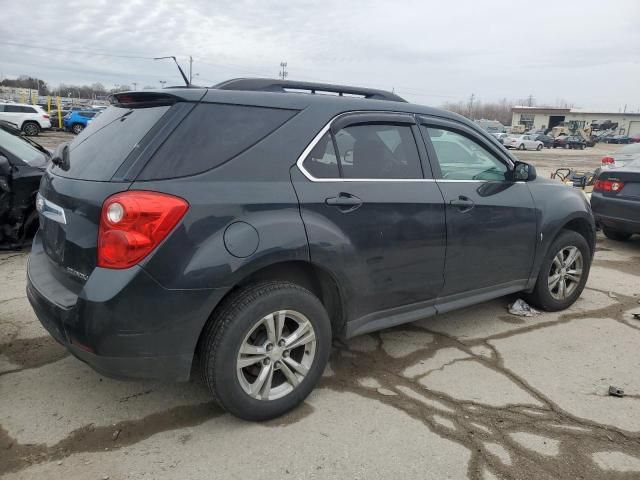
point(322, 162)
point(28, 110)
point(378, 151)
point(12, 109)
point(461, 158)
point(216, 133)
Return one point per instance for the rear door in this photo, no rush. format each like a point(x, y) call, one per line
point(491, 220)
point(373, 214)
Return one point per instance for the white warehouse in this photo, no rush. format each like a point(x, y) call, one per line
point(540, 118)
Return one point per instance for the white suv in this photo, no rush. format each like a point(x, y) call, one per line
point(28, 118)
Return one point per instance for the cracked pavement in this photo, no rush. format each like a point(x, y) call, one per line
point(477, 393)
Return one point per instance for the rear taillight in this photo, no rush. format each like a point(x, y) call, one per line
point(45, 116)
point(608, 161)
point(608, 185)
point(133, 223)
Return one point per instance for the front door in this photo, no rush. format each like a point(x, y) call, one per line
point(491, 220)
point(372, 219)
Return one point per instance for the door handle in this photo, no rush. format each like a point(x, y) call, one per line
point(463, 204)
point(344, 201)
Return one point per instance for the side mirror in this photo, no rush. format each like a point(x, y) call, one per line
point(5, 166)
point(524, 172)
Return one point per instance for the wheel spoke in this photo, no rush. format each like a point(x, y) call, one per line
point(571, 257)
point(303, 335)
point(562, 289)
point(553, 281)
point(244, 362)
point(281, 316)
point(298, 367)
point(558, 260)
point(269, 324)
point(289, 375)
point(573, 278)
point(248, 349)
point(260, 385)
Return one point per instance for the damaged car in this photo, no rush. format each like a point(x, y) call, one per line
point(22, 163)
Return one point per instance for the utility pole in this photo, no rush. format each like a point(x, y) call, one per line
point(530, 101)
point(471, 99)
point(283, 72)
point(162, 82)
point(135, 84)
point(190, 69)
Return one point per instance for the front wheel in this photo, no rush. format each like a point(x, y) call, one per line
point(266, 349)
point(616, 234)
point(563, 273)
point(521, 147)
point(539, 147)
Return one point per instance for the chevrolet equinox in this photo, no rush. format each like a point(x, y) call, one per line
point(239, 228)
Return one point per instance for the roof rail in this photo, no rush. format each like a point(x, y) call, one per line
point(284, 86)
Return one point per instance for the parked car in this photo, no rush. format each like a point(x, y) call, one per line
point(76, 121)
point(622, 156)
point(240, 228)
point(615, 201)
point(635, 139)
point(22, 163)
point(523, 142)
point(500, 136)
point(31, 119)
point(569, 141)
point(546, 140)
point(618, 139)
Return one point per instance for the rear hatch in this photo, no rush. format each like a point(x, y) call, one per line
point(103, 160)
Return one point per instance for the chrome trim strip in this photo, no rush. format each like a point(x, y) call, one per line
point(50, 210)
point(305, 153)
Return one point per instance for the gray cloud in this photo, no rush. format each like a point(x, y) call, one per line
point(428, 51)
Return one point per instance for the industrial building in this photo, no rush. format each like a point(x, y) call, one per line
point(540, 118)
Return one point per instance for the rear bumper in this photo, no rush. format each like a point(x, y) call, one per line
point(122, 323)
point(616, 213)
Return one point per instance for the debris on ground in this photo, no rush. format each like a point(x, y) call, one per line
point(616, 392)
point(636, 316)
point(522, 309)
point(612, 295)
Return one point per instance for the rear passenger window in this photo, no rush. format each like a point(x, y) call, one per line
point(211, 135)
point(378, 152)
point(322, 162)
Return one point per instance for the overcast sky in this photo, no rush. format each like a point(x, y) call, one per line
point(585, 52)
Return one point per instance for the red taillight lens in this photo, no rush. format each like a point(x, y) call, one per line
point(608, 160)
point(612, 186)
point(45, 116)
point(133, 223)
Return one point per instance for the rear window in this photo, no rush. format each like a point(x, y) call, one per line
point(211, 135)
point(98, 152)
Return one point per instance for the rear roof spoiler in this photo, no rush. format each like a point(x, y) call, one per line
point(285, 86)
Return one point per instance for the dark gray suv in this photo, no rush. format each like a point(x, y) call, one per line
point(239, 228)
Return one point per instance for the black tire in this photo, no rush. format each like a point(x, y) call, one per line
point(31, 129)
point(541, 296)
point(227, 330)
point(521, 147)
point(77, 128)
point(616, 234)
point(538, 148)
point(582, 146)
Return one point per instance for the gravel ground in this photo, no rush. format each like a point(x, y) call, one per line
point(477, 394)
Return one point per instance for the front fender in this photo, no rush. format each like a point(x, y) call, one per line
point(558, 206)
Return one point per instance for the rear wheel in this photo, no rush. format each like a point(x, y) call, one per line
point(539, 147)
point(582, 146)
point(563, 273)
point(266, 349)
point(31, 129)
point(616, 234)
point(77, 128)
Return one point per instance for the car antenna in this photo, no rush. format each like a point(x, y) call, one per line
point(186, 81)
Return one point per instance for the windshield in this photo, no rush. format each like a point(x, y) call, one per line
point(22, 149)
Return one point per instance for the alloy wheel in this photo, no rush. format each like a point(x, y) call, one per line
point(276, 355)
point(565, 272)
point(30, 129)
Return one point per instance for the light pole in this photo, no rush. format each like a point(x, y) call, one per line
point(283, 72)
point(135, 84)
point(162, 83)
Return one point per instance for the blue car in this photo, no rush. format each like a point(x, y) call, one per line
point(77, 120)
